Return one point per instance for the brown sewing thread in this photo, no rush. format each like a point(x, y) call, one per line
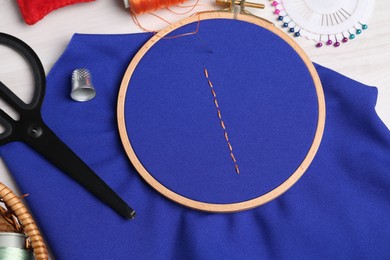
point(137, 22)
point(222, 122)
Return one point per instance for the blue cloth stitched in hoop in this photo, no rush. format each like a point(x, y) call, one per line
point(265, 96)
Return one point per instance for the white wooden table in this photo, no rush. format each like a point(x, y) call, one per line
point(366, 59)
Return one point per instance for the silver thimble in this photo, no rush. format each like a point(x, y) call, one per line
point(82, 87)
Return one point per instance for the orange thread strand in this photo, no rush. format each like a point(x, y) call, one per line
point(185, 34)
point(137, 22)
point(233, 158)
point(216, 103)
point(230, 146)
point(223, 125)
point(192, 7)
point(206, 73)
point(161, 18)
point(187, 6)
point(149, 6)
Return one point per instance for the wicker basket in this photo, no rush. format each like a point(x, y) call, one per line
point(14, 217)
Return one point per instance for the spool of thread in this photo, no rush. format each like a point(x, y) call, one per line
point(13, 246)
point(146, 6)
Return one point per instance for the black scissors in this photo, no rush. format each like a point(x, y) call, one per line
point(31, 129)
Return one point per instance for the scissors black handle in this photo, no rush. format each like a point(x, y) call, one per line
point(31, 129)
point(8, 96)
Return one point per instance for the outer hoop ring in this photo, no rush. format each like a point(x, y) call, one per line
point(213, 207)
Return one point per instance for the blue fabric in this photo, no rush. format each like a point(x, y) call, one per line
point(339, 209)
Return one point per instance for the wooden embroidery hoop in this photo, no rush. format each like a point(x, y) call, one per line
point(214, 207)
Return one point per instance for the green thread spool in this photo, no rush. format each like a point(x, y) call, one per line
point(13, 247)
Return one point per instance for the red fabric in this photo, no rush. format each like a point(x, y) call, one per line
point(35, 10)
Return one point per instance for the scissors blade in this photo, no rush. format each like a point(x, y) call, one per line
point(45, 141)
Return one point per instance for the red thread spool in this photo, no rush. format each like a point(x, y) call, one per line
point(145, 6)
